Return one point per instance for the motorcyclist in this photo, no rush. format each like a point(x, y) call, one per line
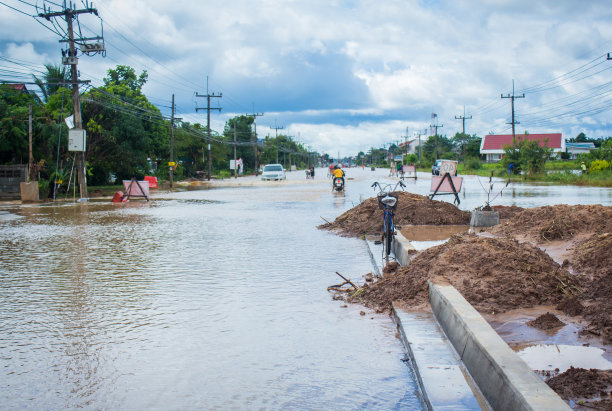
point(338, 173)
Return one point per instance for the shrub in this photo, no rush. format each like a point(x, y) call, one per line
point(472, 163)
point(597, 166)
point(224, 174)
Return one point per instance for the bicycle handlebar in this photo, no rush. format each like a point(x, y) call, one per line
point(386, 188)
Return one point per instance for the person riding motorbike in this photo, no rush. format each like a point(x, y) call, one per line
point(338, 173)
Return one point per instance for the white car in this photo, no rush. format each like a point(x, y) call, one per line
point(273, 172)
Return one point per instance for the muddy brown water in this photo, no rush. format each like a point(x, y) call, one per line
point(209, 299)
point(212, 299)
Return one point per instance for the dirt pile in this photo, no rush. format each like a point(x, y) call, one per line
point(559, 222)
point(414, 209)
point(546, 321)
point(493, 274)
point(591, 259)
point(506, 212)
point(578, 384)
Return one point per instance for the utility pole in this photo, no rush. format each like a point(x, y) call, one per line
point(406, 143)
point(255, 115)
point(512, 97)
point(208, 108)
point(30, 156)
point(276, 128)
point(69, 15)
point(235, 165)
point(172, 143)
point(463, 118)
point(419, 134)
point(435, 126)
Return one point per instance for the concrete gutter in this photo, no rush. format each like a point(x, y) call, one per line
point(505, 379)
point(445, 384)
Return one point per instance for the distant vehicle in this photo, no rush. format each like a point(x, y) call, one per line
point(338, 184)
point(435, 169)
point(273, 172)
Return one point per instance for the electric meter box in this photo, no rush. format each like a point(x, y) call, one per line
point(76, 140)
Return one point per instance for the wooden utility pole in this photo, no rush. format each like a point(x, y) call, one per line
point(435, 126)
point(419, 134)
point(30, 156)
point(463, 118)
point(512, 97)
point(171, 165)
point(208, 108)
point(276, 128)
point(69, 15)
point(406, 143)
point(235, 165)
point(255, 115)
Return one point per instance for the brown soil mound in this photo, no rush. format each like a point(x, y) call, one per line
point(506, 212)
point(577, 383)
point(415, 209)
point(571, 306)
point(558, 222)
point(592, 259)
point(546, 321)
point(493, 274)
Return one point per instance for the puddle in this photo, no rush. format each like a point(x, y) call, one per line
point(549, 357)
point(424, 245)
point(426, 233)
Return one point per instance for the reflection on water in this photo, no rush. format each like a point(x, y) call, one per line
point(432, 232)
point(548, 357)
point(207, 299)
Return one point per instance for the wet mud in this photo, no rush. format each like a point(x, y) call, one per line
point(546, 321)
point(587, 389)
point(412, 209)
point(508, 268)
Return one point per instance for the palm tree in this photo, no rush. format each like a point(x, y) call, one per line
point(52, 80)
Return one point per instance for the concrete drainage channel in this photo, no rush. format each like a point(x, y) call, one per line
point(461, 363)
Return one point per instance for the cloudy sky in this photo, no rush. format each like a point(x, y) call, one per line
point(346, 75)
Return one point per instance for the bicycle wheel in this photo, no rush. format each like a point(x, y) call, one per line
point(389, 233)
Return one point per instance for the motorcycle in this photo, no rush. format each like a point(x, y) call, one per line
point(338, 184)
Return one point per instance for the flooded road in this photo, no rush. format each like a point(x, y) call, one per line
point(211, 299)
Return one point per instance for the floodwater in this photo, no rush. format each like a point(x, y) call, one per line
point(551, 357)
point(211, 299)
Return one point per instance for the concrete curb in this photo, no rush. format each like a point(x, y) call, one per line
point(400, 247)
point(505, 380)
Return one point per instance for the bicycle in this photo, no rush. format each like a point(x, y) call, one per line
point(387, 201)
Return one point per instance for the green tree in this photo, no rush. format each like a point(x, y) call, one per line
point(472, 145)
point(14, 107)
point(51, 81)
point(440, 147)
point(244, 139)
point(124, 129)
point(527, 155)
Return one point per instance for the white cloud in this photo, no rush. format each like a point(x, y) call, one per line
point(25, 52)
point(347, 73)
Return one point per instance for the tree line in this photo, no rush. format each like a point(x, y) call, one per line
point(127, 136)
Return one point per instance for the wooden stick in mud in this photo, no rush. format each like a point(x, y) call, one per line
point(326, 222)
point(347, 280)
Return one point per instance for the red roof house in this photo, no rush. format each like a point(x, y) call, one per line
point(493, 145)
